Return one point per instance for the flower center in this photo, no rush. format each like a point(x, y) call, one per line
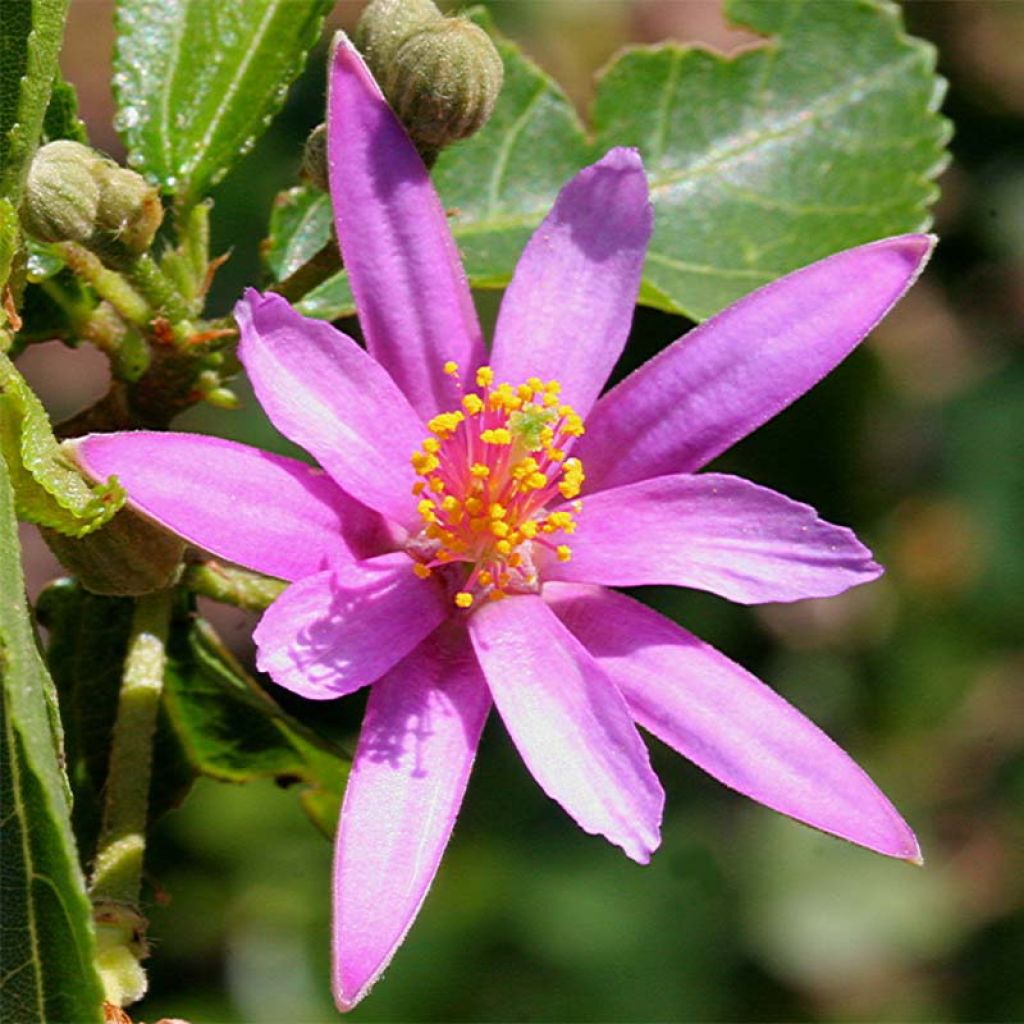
point(488, 472)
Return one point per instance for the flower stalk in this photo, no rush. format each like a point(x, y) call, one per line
point(117, 873)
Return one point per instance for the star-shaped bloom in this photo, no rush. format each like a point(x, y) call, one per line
point(457, 544)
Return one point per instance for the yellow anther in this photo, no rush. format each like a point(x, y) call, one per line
point(424, 463)
point(421, 570)
point(451, 368)
point(417, 488)
point(474, 506)
point(553, 387)
point(555, 454)
point(484, 377)
point(498, 436)
point(536, 481)
point(525, 392)
point(473, 404)
point(503, 547)
point(496, 595)
point(450, 503)
point(564, 552)
point(550, 400)
point(479, 470)
point(515, 560)
point(426, 510)
point(464, 599)
point(445, 423)
point(432, 445)
point(529, 529)
point(535, 383)
point(547, 437)
point(499, 528)
point(497, 511)
point(436, 484)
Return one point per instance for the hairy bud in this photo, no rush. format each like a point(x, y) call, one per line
point(75, 195)
point(62, 193)
point(385, 24)
point(444, 81)
point(314, 158)
point(441, 75)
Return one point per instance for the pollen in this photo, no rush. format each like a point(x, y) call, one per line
point(495, 474)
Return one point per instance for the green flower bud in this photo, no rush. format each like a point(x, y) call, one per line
point(129, 211)
point(314, 158)
point(444, 81)
point(75, 195)
point(62, 194)
point(385, 24)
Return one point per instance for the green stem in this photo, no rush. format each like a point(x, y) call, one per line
point(229, 585)
point(145, 274)
point(109, 284)
point(117, 873)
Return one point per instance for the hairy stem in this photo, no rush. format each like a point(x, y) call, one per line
point(117, 873)
point(229, 585)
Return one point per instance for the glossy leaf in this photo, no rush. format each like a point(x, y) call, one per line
point(232, 730)
point(823, 137)
point(29, 44)
point(49, 490)
point(197, 82)
point(46, 958)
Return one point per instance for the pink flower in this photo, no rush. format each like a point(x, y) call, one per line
point(457, 545)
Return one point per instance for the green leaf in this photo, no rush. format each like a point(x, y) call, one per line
point(8, 243)
point(823, 137)
point(29, 44)
point(233, 731)
point(62, 120)
point(49, 490)
point(197, 82)
point(46, 958)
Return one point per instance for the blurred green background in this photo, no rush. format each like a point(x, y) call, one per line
point(918, 442)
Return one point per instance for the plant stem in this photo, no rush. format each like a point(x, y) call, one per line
point(117, 873)
point(229, 585)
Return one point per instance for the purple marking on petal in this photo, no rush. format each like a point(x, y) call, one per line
point(568, 310)
point(728, 722)
point(712, 532)
point(740, 368)
point(334, 632)
point(412, 295)
point(420, 734)
point(267, 512)
point(326, 394)
point(569, 723)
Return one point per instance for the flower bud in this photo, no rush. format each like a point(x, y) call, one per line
point(444, 81)
point(62, 194)
point(314, 158)
point(75, 195)
point(385, 24)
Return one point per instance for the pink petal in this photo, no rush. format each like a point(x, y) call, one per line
point(420, 734)
point(712, 532)
point(568, 310)
point(740, 368)
point(569, 723)
point(326, 394)
point(266, 512)
point(414, 301)
point(730, 724)
point(334, 632)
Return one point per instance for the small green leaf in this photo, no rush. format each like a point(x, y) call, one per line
point(8, 243)
point(233, 731)
point(49, 490)
point(62, 120)
point(197, 82)
point(29, 44)
point(46, 958)
point(823, 137)
point(300, 225)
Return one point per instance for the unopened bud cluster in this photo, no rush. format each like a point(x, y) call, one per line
point(73, 194)
point(441, 75)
